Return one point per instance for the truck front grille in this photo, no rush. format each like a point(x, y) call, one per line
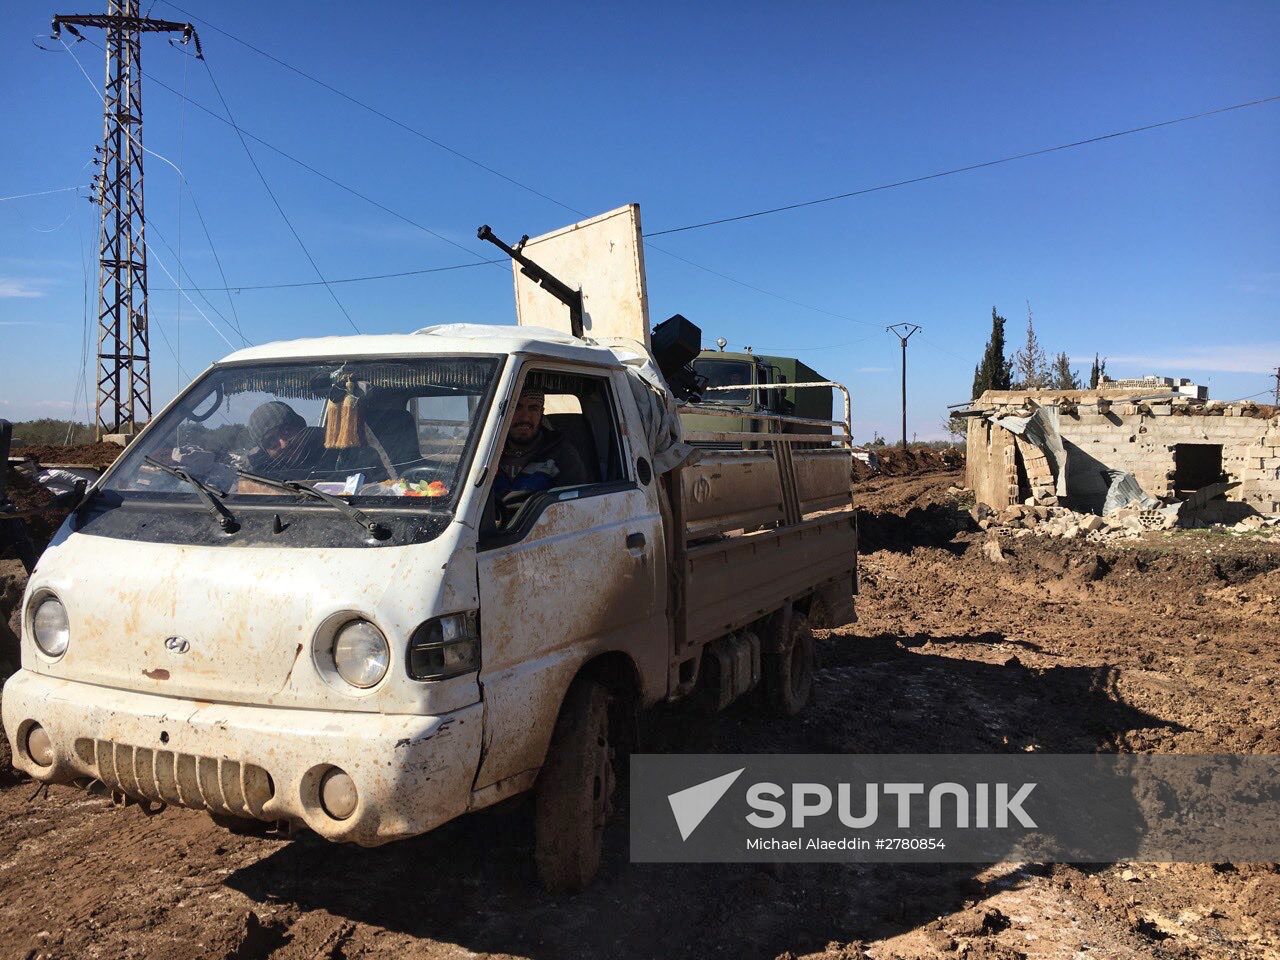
point(202, 783)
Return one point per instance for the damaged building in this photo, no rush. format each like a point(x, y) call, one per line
point(1125, 443)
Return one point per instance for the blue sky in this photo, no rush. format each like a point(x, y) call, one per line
point(1159, 250)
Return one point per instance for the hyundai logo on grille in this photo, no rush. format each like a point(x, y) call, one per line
point(177, 644)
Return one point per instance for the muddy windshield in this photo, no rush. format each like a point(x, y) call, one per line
point(383, 432)
point(725, 373)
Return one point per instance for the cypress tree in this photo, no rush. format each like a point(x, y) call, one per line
point(993, 372)
point(1097, 373)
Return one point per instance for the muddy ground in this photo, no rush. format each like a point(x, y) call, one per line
point(1165, 644)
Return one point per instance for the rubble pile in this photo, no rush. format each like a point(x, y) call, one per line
point(1023, 520)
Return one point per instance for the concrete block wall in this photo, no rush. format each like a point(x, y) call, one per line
point(1113, 441)
point(1143, 444)
point(990, 468)
point(1261, 471)
point(1038, 470)
point(1139, 439)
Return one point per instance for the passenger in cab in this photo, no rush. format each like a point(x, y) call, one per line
point(536, 457)
point(282, 438)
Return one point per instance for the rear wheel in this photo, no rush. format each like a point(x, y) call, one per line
point(575, 791)
point(791, 663)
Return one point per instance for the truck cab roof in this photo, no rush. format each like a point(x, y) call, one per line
point(453, 338)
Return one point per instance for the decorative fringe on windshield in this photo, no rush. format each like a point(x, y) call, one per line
point(312, 380)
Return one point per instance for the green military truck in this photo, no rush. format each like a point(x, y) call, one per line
point(725, 369)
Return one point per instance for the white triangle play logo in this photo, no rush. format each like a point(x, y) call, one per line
point(692, 804)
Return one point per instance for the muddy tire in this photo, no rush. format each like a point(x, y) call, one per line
point(575, 791)
point(819, 613)
point(791, 663)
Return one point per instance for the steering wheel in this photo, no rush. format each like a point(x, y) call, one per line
point(425, 471)
point(508, 505)
point(213, 407)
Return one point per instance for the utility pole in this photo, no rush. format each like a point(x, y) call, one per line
point(903, 332)
point(1278, 386)
point(124, 353)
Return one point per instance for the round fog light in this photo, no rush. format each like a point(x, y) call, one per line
point(338, 794)
point(39, 746)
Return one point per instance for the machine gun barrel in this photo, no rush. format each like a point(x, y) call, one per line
point(553, 285)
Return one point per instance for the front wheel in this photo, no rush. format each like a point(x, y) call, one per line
point(575, 791)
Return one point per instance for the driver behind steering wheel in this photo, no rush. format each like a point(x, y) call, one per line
point(535, 457)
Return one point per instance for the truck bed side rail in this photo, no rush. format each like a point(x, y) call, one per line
point(845, 424)
point(744, 480)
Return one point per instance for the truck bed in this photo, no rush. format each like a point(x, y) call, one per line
point(733, 581)
point(726, 490)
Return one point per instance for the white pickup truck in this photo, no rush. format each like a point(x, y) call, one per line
point(323, 616)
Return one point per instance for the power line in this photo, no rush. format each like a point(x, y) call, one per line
point(216, 259)
point(767, 293)
point(825, 346)
point(458, 153)
point(44, 193)
point(1260, 392)
point(943, 350)
point(82, 382)
point(385, 116)
point(414, 223)
point(337, 280)
point(182, 177)
point(184, 291)
point(313, 170)
point(213, 326)
point(186, 184)
point(182, 139)
point(272, 194)
point(965, 169)
point(569, 207)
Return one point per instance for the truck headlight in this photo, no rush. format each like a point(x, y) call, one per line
point(361, 654)
point(50, 627)
point(445, 647)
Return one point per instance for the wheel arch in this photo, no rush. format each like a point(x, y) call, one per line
point(620, 675)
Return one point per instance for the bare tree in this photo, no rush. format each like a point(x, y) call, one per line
point(1030, 364)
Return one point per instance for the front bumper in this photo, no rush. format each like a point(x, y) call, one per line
point(412, 773)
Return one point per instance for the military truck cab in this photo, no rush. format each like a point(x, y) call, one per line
point(759, 386)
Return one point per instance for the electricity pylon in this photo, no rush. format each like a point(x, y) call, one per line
point(124, 352)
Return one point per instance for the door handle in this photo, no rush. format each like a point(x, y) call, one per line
point(635, 541)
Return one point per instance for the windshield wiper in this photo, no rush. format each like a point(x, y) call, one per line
point(205, 492)
point(376, 530)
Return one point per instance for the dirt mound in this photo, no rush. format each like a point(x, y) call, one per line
point(89, 454)
point(28, 495)
point(897, 462)
point(933, 525)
